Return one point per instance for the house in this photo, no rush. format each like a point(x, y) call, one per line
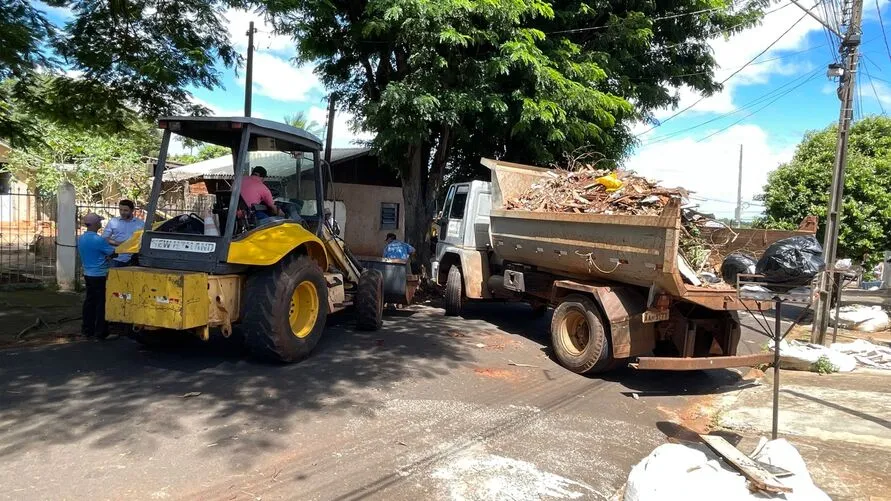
point(368, 195)
point(16, 203)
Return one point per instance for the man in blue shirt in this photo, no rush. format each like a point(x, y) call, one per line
point(396, 249)
point(94, 253)
point(121, 228)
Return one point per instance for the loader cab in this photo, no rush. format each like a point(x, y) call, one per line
point(184, 242)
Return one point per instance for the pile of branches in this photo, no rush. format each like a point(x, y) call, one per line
point(594, 191)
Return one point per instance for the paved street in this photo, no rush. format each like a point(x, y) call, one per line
point(428, 408)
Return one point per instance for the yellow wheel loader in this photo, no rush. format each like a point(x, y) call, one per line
point(270, 275)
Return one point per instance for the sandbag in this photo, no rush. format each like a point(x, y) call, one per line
point(791, 261)
point(735, 264)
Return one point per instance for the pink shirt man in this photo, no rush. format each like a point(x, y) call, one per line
point(254, 190)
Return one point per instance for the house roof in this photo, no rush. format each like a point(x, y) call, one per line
point(277, 164)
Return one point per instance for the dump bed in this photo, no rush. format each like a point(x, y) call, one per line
point(637, 250)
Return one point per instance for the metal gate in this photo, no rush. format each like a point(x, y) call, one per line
point(27, 238)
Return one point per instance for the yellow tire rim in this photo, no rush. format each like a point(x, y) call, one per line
point(575, 332)
point(304, 309)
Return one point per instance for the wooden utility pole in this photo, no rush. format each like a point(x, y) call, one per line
point(329, 133)
point(849, 50)
point(249, 70)
point(739, 204)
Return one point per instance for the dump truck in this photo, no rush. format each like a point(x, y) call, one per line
point(273, 280)
point(615, 282)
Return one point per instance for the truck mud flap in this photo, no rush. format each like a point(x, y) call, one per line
point(700, 363)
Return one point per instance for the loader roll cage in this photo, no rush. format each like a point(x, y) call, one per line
point(193, 251)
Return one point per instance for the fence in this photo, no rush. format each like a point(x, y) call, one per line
point(27, 238)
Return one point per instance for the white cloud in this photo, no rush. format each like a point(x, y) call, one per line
point(876, 91)
point(734, 52)
point(343, 135)
point(219, 111)
point(710, 168)
point(276, 78)
point(238, 21)
point(64, 13)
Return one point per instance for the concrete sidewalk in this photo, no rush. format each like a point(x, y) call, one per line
point(841, 424)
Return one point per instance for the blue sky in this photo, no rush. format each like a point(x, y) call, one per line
point(704, 159)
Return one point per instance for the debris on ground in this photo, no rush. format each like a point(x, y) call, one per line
point(191, 394)
point(516, 364)
point(861, 318)
point(866, 353)
point(589, 190)
point(797, 355)
point(694, 472)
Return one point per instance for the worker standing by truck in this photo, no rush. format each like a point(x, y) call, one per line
point(121, 228)
point(397, 249)
point(94, 252)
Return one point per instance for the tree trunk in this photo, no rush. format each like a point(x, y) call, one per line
point(419, 203)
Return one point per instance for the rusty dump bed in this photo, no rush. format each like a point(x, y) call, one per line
point(637, 250)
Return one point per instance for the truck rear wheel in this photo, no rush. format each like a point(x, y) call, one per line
point(286, 311)
point(370, 301)
point(579, 339)
point(454, 294)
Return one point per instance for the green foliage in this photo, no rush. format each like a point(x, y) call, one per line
point(109, 58)
point(205, 152)
point(301, 120)
point(801, 188)
point(823, 366)
point(100, 166)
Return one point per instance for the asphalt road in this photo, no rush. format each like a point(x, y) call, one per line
point(427, 408)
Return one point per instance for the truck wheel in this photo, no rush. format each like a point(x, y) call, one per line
point(577, 334)
point(454, 295)
point(285, 311)
point(370, 301)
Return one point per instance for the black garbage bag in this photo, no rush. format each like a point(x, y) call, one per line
point(734, 264)
point(793, 261)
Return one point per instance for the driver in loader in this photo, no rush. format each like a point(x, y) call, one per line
point(255, 192)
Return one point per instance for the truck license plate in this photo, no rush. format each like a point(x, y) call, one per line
point(183, 245)
point(650, 317)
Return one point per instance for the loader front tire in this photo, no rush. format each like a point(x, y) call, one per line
point(454, 293)
point(286, 306)
point(370, 301)
point(579, 339)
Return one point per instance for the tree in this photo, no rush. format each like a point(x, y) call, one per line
point(100, 166)
point(302, 121)
point(444, 82)
point(801, 188)
point(110, 58)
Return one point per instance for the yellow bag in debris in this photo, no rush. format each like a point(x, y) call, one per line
point(610, 181)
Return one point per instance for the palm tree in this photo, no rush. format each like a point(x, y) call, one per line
point(302, 121)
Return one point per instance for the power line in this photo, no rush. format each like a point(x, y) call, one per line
point(813, 75)
point(724, 30)
point(874, 91)
point(663, 18)
point(722, 82)
point(744, 107)
point(882, 24)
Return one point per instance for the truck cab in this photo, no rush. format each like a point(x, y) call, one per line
point(463, 229)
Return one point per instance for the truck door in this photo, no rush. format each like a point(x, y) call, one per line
point(452, 226)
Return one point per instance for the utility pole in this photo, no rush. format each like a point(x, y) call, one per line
point(249, 71)
point(847, 78)
point(739, 203)
point(329, 133)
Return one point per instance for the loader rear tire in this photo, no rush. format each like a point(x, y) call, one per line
point(370, 301)
point(579, 339)
point(454, 294)
point(286, 306)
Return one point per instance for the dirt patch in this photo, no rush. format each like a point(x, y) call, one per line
point(38, 316)
point(686, 423)
point(502, 374)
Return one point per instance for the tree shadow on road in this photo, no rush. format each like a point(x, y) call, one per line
point(115, 393)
